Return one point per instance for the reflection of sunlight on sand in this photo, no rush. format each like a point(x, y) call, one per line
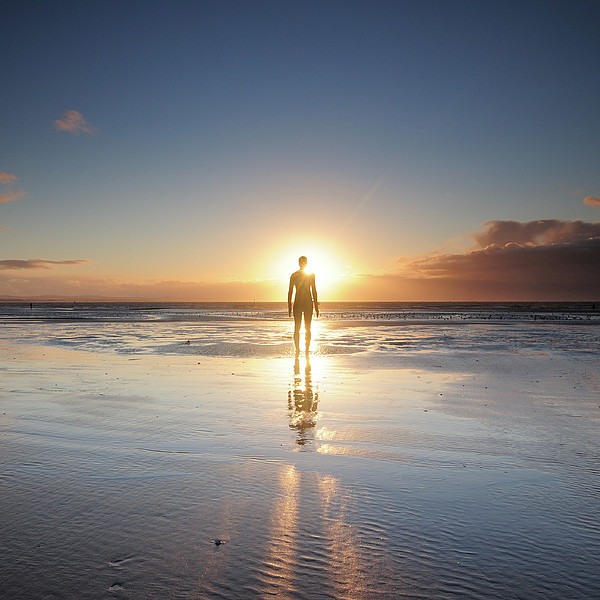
point(281, 558)
point(290, 552)
point(317, 365)
point(344, 561)
point(331, 449)
point(319, 334)
point(316, 329)
point(325, 434)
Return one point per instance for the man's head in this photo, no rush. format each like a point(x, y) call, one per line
point(302, 261)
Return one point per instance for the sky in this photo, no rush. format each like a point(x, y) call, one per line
point(191, 150)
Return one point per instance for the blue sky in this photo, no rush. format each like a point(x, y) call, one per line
point(217, 138)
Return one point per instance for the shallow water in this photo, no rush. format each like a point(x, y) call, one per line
point(245, 332)
point(401, 461)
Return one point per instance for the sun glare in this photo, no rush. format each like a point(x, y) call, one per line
point(326, 266)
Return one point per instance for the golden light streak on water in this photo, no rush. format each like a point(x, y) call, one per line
point(346, 569)
point(282, 554)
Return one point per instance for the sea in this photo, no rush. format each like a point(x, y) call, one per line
point(265, 330)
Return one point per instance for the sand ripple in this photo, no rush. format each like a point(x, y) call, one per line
point(118, 478)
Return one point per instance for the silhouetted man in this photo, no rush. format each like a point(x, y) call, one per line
point(305, 300)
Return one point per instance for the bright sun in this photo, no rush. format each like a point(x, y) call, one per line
point(326, 266)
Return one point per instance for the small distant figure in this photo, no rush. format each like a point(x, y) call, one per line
point(31, 306)
point(304, 301)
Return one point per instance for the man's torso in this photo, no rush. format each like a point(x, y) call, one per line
point(303, 282)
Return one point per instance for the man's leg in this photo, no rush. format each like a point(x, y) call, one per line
point(297, 323)
point(307, 324)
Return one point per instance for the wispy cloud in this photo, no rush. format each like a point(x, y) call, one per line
point(7, 178)
point(73, 122)
point(11, 197)
point(36, 263)
point(8, 194)
point(592, 200)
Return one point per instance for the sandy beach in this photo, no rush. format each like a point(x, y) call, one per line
point(193, 193)
point(457, 473)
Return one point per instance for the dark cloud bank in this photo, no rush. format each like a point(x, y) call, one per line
point(536, 260)
point(543, 260)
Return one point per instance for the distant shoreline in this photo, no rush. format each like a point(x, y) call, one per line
point(513, 304)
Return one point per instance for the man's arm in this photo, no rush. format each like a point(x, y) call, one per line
point(290, 292)
point(313, 285)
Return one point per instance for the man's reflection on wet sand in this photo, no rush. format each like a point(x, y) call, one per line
point(302, 404)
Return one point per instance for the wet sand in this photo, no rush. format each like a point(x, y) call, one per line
point(434, 475)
